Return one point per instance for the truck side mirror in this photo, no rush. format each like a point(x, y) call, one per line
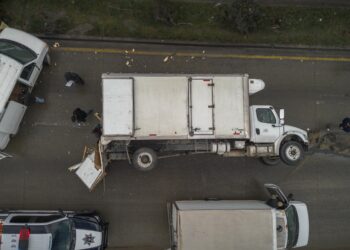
point(281, 115)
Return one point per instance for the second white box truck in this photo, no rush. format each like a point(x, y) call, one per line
point(150, 115)
point(239, 224)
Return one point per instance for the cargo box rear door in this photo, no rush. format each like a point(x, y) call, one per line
point(118, 107)
point(201, 106)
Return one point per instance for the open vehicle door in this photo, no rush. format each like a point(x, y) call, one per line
point(276, 191)
point(91, 170)
point(12, 117)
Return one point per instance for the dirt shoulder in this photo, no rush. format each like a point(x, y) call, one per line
point(187, 21)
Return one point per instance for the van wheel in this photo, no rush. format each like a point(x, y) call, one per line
point(144, 159)
point(292, 153)
point(270, 160)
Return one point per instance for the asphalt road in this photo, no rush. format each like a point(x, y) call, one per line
point(314, 91)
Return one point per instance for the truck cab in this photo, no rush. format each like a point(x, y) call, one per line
point(22, 57)
point(269, 130)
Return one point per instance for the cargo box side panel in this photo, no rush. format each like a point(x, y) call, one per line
point(226, 229)
point(230, 108)
point(160, 107)
point(117, 107)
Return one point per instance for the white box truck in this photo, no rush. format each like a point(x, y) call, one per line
point(149, 115)
point(239, 224)
point(21, 60)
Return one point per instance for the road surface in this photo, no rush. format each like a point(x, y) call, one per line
point(313, 87)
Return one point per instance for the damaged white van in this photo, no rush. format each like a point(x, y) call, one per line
point(22, 57)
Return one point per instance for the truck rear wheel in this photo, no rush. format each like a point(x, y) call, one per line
point(292, 153)
point(270, 160)
point(144, 159)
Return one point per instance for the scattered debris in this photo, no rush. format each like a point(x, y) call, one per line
point(4, 155)
point(168, 58)
point(39, 100)
point(72, 78)
point(92, 169)
point(331, 140)
point(128, 63)
point(69, 84)
point(3, 25)
point(56, 45)
point(98, 116)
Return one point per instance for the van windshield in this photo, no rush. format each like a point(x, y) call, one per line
point(16, 51)
point(293, 226)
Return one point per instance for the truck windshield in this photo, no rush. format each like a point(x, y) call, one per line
point(61, 235)
point(16, 51)
point(293, 226)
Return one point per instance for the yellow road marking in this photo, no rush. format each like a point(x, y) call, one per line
point(198, 54)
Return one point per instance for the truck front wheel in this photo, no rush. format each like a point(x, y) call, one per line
point(292, 153)
point(144, 159)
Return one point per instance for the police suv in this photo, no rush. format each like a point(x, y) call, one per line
point(52, 230)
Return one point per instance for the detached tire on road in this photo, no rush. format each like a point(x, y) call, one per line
point(292, 153)
point(144, 159)
point(270, 160)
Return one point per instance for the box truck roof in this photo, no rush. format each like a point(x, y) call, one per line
point(225, 225)
point(166, 106)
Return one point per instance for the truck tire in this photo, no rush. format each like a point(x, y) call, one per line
point(292, 153)
point(270, 160)
point(144, 159)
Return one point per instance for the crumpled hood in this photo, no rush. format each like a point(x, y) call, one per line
point(288, 128)
point(24, 38)
point(86, 239)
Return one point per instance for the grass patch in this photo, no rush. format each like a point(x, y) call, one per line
point(159, 19)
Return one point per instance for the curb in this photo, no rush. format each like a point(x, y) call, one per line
point(188, 43)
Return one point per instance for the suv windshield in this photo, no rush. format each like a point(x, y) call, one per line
point(61, 235)
point(16, 51)
point(293, 226)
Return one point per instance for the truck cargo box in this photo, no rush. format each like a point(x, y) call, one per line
point(243, 225)
point(153, 107)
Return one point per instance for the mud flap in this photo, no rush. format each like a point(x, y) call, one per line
point(91, 170)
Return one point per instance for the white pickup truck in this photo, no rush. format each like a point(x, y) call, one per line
point(145, 115)
point(21, 60)
point(239, 224)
